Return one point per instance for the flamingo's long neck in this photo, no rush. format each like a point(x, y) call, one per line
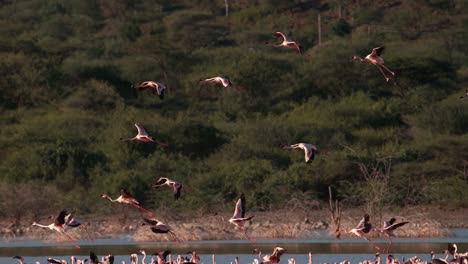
point(143, 260)
point(43, 226)
point(110, 199)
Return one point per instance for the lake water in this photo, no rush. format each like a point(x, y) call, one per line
point(323, 248)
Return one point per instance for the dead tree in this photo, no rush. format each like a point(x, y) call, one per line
point(335, 213)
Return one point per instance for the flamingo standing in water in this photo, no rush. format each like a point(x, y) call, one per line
point(143, 136)
point(127, 199)
point(158, 87)
point(388, 228)
point(287, 42)
point(274, 258)
point(160, 228)
point(375, 59)
point(238, 218)
point(57, 226)
point(363, 228)
point(176, 186)
point(309, 150)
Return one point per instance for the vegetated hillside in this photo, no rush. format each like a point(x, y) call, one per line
point(67, 67)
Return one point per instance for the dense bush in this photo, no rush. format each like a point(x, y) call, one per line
point(65, 100)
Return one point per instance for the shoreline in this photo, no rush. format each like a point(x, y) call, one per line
point(425, 221)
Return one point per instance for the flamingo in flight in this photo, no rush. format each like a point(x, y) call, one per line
point(176, 186)
point(143, 136)
point(287, 42)
point(159, 227)
point(127, 199)
point(465, 95)
point(388, 228)
point(238, 218)
point(363, 228)
point(158, 87)
point(57, 226)
point(375, 59)
point(309, 150)
point(70, 221)
point(224, 81)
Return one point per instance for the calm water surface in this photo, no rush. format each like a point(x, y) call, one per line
point(323, 247)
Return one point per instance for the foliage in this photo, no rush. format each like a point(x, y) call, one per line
point(66, 98)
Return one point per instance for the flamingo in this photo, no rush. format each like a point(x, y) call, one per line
point(57, 226)
point(160, 228)
point(158, 87)
point(439, 260)
point(161, 256)
point(274, 258)
point(309, 150)
point(388, 228)
point(20, 259)
point(93, 259)
point(465, 95)
point(238, 218)
point(287, 42)
point(375, 59)
point(363, 228)
point(56, 261)
point(177, 187)
point(143, 260)
point(70, 221)
point(194, 258)
point(219, 80)
point(127, 199)
point(143, 136)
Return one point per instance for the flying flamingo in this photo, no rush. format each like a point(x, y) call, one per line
point(363, 228)
point(225, 82)
point(238, 218)
point(375, 59)
point(287, 42)
point(160, 228)
point(57, 226)
point(143, 136)
point(70, 221)
point(465, 95)
point(127, 199)
point(309, 150)
point(388, 228)
point(158, 87)
point(177, 187)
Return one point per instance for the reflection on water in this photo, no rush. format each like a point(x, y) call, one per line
point(324, 248)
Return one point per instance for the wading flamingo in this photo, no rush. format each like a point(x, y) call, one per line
point(309, 150)
point(143, 136)
point(375, 59)
point(127, 199)
point(158, 87)
point(57, 226)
